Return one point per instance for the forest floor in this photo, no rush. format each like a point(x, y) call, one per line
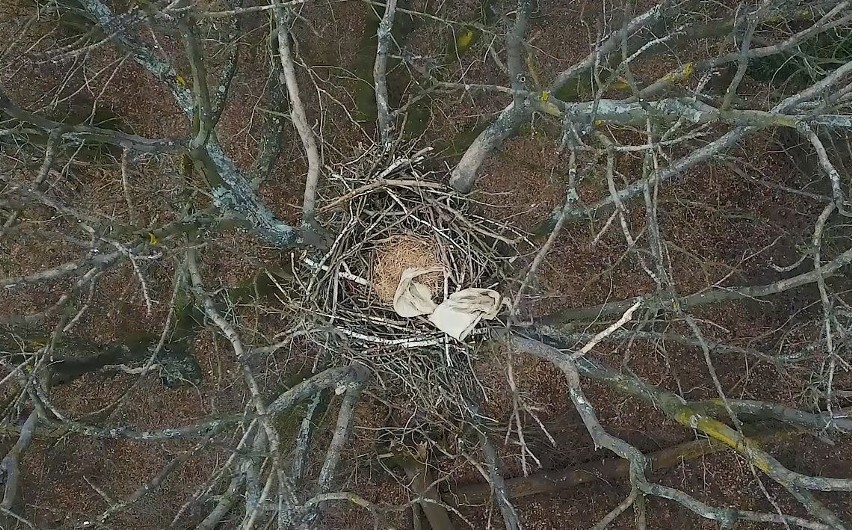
point(719, 227)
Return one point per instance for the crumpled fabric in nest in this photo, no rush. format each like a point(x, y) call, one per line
point(456, 316)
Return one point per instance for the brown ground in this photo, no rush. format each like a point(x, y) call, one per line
point(718, 226)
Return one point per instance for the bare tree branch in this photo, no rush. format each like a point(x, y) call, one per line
point(283, 19)
point(10, 465)
point(709, 296)
point(674, 407)
point(464, 175)
point(498, 484)
point(386, 125)
point(81, 133)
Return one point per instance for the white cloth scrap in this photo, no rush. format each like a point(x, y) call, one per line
point(411, 298)
point(461, 311)
point(456, 316)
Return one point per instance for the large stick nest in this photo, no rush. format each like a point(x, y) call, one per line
point(390, 214)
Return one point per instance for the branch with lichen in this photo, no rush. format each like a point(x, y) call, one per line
point(799, 485)
point(608, 469)
point(230, 189)
point(638, 42)
point(383, 36)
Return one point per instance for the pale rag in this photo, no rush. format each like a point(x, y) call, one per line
point(456, 316)
point(411, 298)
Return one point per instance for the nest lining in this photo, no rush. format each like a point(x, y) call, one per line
point(396, 254)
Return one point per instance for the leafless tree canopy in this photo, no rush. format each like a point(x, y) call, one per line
point(206, 207)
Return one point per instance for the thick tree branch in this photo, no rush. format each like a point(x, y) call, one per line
point(498, 485)
point(338, 377)
point(232, 191)
point(345, 419)
point(229, 70)
point(90, 133)
point(464, 175)
point(675, 408)
point(283, 19)
point(380, 81)
point(10, 465)
point(230, 188)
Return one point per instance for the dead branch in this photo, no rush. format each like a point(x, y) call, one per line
point(378, 183)
point(338, 377)
point(270, 142)
point(283, 19)
point(345, 419)
point(60, 271)
point(229, 70)
point(839, 196)
point(301, 452)
point(288, 500)
point(510, 119)
point(606, 470)
point(151, 485)
point(499, 490)
point(675, 408)
point(10, 465)
point(202, 119)
point(230, 188)
point(613, 514)
point(571, 201)
point(423, 485)
point(226, 502)
point(709, 296)
point(515, 50)
point(464, 175)
point(80, 133)
point(386, 125)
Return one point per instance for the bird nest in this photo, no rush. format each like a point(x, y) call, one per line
point(391, 215)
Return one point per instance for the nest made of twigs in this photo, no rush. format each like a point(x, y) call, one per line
point(390, 214)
